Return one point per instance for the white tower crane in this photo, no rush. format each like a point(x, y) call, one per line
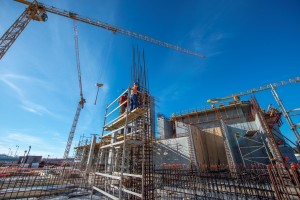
point(82, 100)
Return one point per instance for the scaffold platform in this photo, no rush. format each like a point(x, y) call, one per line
point(120, 121)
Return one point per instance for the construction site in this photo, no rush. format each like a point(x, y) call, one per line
point(229, 149)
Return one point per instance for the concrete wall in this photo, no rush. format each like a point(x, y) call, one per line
point(247, 140)
point(211, 118)
point(173, 151)
point(164, 127)
point(198, 147)
point(152, 116)
point(181, 129)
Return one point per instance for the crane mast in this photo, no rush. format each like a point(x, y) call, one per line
point(72, 131)
point(82, 100)
point(37, 11)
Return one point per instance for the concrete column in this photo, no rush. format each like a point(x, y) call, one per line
point(110, 161)
point(91, 154)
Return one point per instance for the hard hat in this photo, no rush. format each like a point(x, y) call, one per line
point(136, 83)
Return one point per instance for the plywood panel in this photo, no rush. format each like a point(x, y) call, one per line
point(209, 146)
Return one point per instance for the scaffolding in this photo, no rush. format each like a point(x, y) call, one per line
point(82, 151)
point(125, 165)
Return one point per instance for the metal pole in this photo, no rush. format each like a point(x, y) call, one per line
point(237, 142)
point(124, 146)
point(9, 150)
point(285, 114)
point(98, 85)
point(16, 150)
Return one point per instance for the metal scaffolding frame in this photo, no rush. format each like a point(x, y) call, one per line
point(250, 149)
point(125, 165)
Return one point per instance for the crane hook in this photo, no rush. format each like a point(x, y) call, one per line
point(98, 85)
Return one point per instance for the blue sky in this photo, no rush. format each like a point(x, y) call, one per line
point(248, 44)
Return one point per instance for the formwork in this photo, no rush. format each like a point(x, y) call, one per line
point(240, 132)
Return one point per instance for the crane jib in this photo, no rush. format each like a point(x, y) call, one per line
point(111, 28)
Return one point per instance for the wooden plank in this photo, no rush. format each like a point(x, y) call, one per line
point(133, 175)
point(128, 191)
point(108, 175)
point(105, 193)
point(128, 142)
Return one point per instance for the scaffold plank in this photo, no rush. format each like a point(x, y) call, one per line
point(108, 175)
point(122, 119)
point(128, 191)
point(105, 193)
point(132, 142)
point(133, 175)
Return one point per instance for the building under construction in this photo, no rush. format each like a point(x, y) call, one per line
point(233, 134)
point(218, 153)
point(232, 150)
point(226, 151)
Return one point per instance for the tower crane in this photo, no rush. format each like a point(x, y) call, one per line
point(82, 100)
point(236, 97)
point(272, 86)
point(37, 11)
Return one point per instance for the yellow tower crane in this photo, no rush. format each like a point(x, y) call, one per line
point(286, 113)
point(236, 97)
point(81, 101)
point(37, 11)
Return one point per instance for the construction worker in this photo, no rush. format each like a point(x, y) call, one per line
point(134, 96)
point(122, 100)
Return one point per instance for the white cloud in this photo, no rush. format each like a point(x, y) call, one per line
point(40, 145)
point(5, 79)
point(24, 138)
point(14, 80)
